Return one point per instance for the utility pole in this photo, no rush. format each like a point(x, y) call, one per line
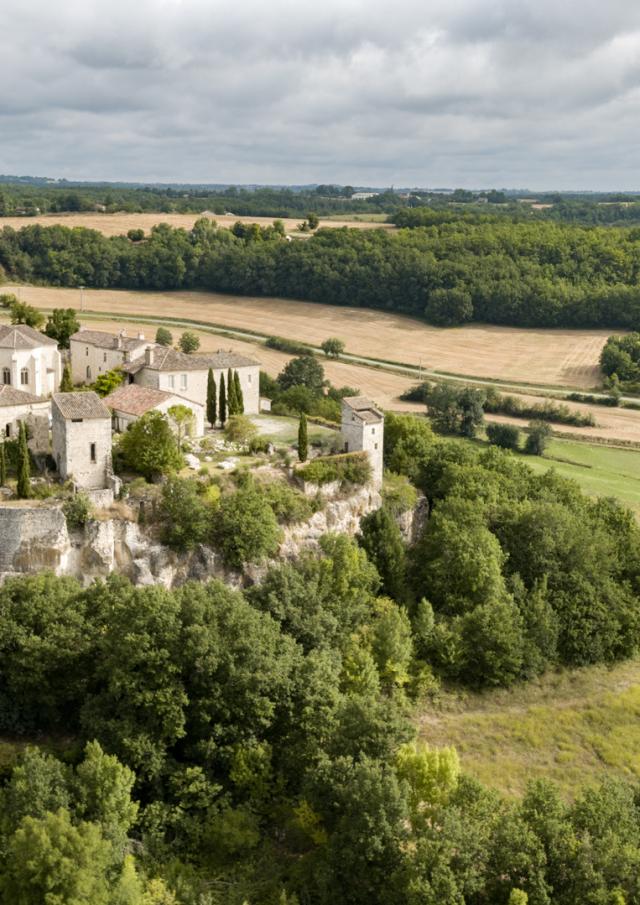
point(82, 298)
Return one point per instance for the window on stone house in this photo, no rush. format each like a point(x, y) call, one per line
point(104, 357)
point(86, 350)
point(373, 430)
point(24, 377)
point(183, 381)
point(92, 451)
point(88, 372)
point(249, 378)
point(172, 381)
point(6, 375)
point(7, 430)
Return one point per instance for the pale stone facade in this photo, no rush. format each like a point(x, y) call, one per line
point(81, 438)
point(131, 401)
point(363, 429)
point(29, 360)
point(186, 375)
point(94, 353)
point(17, 406)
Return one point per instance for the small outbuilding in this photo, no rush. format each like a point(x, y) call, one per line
point(131, 401)
point(81, 439)
point(18, 405)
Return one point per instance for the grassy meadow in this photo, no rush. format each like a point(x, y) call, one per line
point(571, 727)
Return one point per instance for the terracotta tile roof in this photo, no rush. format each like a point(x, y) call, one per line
point(363, 408)
point(168, 359)
point(11, 396)
point(80, 405)
point(134, 399)
point(19, 336)
point(108, 340)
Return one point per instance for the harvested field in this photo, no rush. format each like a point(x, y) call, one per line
point(386, 387)
point(552, 357)
point(120, 224)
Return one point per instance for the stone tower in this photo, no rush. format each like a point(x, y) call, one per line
point(81, 437)
point(363, 429)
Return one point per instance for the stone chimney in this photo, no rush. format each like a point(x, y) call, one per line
point(120, 340)
point(141, 336)
point(148, 355)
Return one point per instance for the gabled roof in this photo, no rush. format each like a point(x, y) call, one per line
point(108, 340)
point(80, 405)
point(133, 399)
point(11, 396)
point(363, 408)
point(20, 336)
point(168, 359)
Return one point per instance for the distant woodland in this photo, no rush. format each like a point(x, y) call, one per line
point(448, 267)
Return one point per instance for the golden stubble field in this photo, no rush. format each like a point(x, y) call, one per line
point(542, 357)
point(384, 387)
point(120, 224)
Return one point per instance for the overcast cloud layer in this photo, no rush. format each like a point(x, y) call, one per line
point(473, 93)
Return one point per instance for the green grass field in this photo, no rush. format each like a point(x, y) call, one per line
point(600, 470)
point(573, 728)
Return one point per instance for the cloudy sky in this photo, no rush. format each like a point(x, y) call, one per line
point(472, 93)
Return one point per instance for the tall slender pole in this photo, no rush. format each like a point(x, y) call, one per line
point(82, 298)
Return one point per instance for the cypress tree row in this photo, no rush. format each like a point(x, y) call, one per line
point(239, 396)
point(24, 466)
point(212, 408)
point(66, 384)
point(232, 402)
point(3, 466)
point(303, 443)
point(222, 405)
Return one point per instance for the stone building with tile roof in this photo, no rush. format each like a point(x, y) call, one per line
point(363, 429)
point(163, 368)
point(94, 352)
point(81, 439)
point(17, 406)
point(131, 401)
point(29, 360)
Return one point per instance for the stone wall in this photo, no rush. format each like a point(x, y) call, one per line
point(33, 538)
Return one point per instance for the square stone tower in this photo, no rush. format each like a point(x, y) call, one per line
point(363, 429)
point(81, 437)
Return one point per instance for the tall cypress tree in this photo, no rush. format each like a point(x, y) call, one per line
point(66, 384)
point(303, 443)
point(24, 466)
point(239, 396)
point(3, 466)
point(222, 406)
point(212, 405)
point(232, 402)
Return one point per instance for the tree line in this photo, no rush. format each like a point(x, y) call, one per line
point(448, 272)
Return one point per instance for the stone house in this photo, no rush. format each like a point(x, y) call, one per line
point(17, 406)
point(163, 368)
point(94, 352)
point(81, 439)
point(131, 401)
point(363, 429)
point(29, 360)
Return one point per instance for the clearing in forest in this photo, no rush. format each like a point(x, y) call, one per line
point(573, 728)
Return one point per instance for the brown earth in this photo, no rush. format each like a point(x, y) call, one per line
point(120, 224)
point(549, 357)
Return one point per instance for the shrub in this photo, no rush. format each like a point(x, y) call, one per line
point(189, 342)
point(537, 439)
point(240, 429)
point(507, 436)
point(348, 468)
point(398, 493)
point(183, 513)
point(287, 345)
point(77, 510)
point(149, 446)
point(288, 505)
point(164, 337)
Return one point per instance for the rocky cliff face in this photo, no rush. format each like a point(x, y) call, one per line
point(34, 538)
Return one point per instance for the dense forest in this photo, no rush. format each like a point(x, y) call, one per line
point(450, 271)
point(211, 746)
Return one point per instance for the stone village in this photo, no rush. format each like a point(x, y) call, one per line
point(72, 432)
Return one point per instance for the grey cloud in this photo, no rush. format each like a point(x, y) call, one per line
point(458, 92)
